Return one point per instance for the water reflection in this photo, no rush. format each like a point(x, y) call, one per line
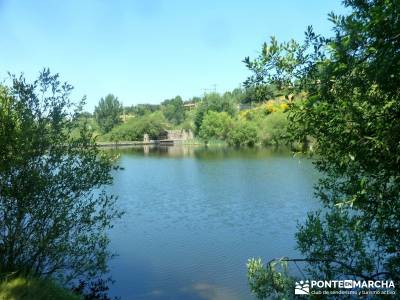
point(194, 215)
point(195, 291)
point(201, 152)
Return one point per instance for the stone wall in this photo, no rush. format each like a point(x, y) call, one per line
point(180, 134)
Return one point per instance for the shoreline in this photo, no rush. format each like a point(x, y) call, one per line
point(148, 143)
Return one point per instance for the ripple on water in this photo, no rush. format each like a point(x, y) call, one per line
point(192, 222)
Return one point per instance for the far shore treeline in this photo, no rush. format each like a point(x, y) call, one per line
point(241, 117)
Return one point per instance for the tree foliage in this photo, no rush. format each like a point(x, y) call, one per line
point(108, 113)
point(242, 134)
point(153, 124)
point(142, 109)
point(352, 111)
point(273, 129)
point(173, 110)
point(54, 213)
point(213, 102)
point(271, 280)
point(216, 126)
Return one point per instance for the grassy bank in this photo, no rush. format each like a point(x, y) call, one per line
point(21, 288)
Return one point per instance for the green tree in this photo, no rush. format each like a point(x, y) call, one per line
point(352, 112)
point(273, 128)
point(54, 212)
point(216, 126)
point(142, 109)
point(153, 124)
point(188, 123)
point(213, 102)
point(259, 93)
point(173, 110)
point(108, 113)
point(243, 133)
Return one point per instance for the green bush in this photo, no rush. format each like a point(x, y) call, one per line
point(188, 122)
point(133, 130)
point(213, 102)
point(55, 210)
point(243, 133)
point(215, 125)
point(173, 110)
point(34, 289)
point(273, 129)
point(84, 120)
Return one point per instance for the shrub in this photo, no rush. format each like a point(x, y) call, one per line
point(273, 129)
point(173, 110)
point(21, 288)
point(215, 126)
point(213, 102)
point(243, 133)
point(55, 213)
point(133, 130)
point(188, 123)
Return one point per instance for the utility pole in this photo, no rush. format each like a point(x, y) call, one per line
point(213, 89)
point(205, 92)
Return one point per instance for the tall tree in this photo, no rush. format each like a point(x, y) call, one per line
point(352, 111)
point(213, 102)
point(173, 110)
point(54, 213)
point(108, 113)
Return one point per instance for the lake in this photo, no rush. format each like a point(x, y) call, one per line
point(195, 215)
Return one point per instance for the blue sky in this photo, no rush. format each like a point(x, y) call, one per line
point(145, 51)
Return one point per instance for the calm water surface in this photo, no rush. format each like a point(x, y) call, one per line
point(194, 216)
